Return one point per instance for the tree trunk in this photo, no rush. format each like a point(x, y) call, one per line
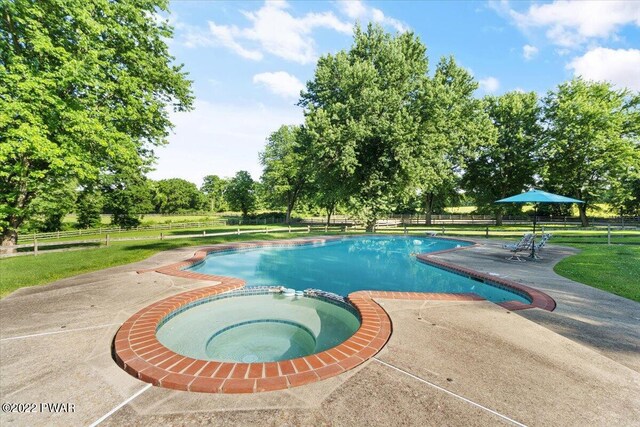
point(499, 217)
point(9, 238)
point(428, 208)
point(371, 224)
point(330, 209)
point(582, 208)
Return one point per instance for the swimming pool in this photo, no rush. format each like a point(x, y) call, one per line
point(351, 264)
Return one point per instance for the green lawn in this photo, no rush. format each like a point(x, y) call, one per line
point(19, 272)
point(153, 234)
point(612, 268)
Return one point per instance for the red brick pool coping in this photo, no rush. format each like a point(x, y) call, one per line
point(138, 351)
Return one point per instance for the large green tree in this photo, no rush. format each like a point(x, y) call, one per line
point(128, 197)
point(452, 124)
point(241, 193)
point(176, 194)
point(359, 110)
point(287, 167)
point(89, 208)
point(592, 139)
point(508, 166)
point(86, 87)
point(48, 209)
point(213, 187)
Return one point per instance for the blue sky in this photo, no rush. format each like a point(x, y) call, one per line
point(249, 59)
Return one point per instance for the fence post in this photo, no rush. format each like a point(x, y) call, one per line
point(486, 232)
point(161, 236)
point(289, 229)
point(308, 229)
point(238, 231)
point(405, 229)
point(107, 240)
point(608, 234)
point(204, 232)
point(266, 230)
point(443, 230)
point(35, 246)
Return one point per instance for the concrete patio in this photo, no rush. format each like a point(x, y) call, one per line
point(454, 363)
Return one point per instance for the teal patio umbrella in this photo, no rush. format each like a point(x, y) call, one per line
point(536, 197)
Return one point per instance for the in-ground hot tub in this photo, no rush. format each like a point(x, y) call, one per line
point(228, 338)
point(257, 325)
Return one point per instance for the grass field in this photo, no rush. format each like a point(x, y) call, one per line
point(150, 219)
point(614, 268)
point(25, 271)
point(152, 234)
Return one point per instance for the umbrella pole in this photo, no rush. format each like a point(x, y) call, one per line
point(533, 239)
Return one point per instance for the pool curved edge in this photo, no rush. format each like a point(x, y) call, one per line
point(538, 298)
point(138, 351)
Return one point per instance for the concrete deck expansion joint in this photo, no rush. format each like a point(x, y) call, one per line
point(139, 352)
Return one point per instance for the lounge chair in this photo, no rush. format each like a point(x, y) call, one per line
point(543, 240)
point(522, 245)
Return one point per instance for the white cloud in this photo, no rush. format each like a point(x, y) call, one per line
point(354, 9)
point(273, 30)
point(572, 23)
point(489, 85)
point(618, 66)
point(220, 139)
point(357, 10)
point(281, 83)
point(529, 51)
point(226, 36)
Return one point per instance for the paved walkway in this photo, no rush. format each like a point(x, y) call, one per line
point(454, 363)
point(600, 320)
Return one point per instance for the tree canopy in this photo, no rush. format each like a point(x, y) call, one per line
point(84, 91)
point(591, 141)
point(359, 114)
point(240, 193)
point(214, 187)
point(176, 194)
point(287, 167)
point(508, 166)
point(453, 124)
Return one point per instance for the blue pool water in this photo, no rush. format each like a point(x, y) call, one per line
point(351, 264)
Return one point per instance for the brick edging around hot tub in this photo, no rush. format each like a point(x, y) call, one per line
point(139, 352)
